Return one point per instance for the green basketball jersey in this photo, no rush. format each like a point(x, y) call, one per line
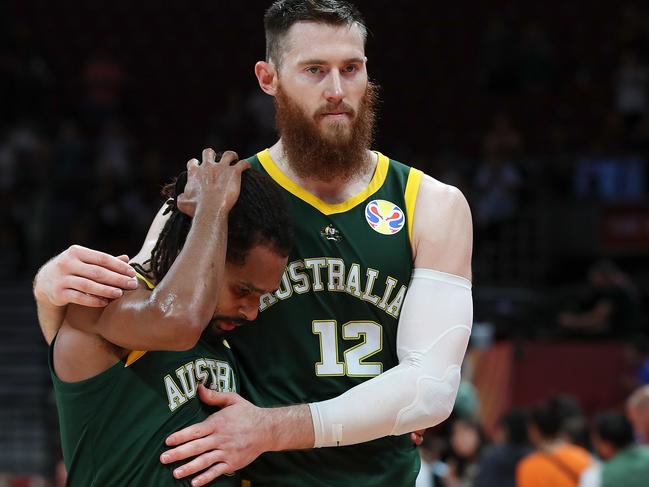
point(332, 324)
point(113, 426)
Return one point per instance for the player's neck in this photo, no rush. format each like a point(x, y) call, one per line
point(332, 191)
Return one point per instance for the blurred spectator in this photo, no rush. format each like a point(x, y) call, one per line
point(637, 407)
point(71, 168)
point(610, 177)
point(497, 179)
point(555, 462)
point(574, 427)
point(467, 402)
point(631, 81)
point(112, 148)
point(637, 357)
point(433, 470)
point(624, 464)
point(104, 79)
point(496, 186)
point(641, 356)
point(466, 442)
point(497, 466)
point(611, 308)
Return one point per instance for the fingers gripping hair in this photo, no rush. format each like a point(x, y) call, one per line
point(259, 217)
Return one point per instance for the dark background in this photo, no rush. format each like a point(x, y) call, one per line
point(101, 102)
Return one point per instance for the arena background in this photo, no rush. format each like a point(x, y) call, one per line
point(536, 110)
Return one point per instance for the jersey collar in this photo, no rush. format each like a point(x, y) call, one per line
point(325, 208)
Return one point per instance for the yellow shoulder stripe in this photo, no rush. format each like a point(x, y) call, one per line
point(148, 283)
point(135, 355)
point(412, 189)
point(325, 208)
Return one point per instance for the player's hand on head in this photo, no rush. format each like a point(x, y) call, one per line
point(225, 442)
point(84, 276)
point(212, 183)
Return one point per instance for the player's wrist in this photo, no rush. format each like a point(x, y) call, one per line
point(290, 428)
point(274, 434)
point(211, 209)
point(39, 288)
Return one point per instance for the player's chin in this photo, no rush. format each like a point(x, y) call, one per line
point(336, 132)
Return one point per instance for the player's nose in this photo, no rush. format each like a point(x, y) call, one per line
point(334, 91)
point(248, 311)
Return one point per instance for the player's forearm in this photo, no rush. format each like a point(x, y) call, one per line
point(175, 313)
point(420, 392)
point(50, 317)
point(188, 291)
point(290, 428)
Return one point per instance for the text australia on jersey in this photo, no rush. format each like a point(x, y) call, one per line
point(331, 274)
point(214, 374)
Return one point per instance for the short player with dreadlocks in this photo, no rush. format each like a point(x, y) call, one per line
point(224, 244)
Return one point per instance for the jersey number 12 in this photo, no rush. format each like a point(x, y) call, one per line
point(354, 363)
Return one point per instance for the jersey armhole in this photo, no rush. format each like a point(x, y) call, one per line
point(410, 196)
point(135, 355)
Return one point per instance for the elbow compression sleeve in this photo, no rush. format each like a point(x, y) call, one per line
point(434, 330)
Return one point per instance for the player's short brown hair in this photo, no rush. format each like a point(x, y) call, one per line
point(282, 14)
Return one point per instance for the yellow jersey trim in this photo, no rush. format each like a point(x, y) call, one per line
point(135, 355)
point(246, 483)
point(325, 208)
point(148, 283)
point(410, 195)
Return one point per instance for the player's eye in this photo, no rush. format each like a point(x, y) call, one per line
point(313, 69)
point(243, 291)
point(350, 69)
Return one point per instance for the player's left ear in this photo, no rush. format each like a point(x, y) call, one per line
point(267, 77)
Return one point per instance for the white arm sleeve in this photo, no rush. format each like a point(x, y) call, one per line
point(433, 333)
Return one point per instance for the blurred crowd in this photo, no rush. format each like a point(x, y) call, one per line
point(549, 444)
point(95, 120)
point(539, 113)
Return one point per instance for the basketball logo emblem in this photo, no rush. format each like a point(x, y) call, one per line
point(384, 216)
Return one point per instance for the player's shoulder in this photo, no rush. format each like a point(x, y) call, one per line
point(429, 187)
point(434, 194)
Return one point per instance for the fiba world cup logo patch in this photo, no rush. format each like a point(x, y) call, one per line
point(384, 216)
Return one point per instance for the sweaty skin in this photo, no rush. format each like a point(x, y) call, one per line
point(174, 314)
point(323, 65)
point(226, 442)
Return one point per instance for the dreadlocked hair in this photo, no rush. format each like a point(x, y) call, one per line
point(259, 217)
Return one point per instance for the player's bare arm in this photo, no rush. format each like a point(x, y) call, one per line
point(87, 277)
point(81, 276)
point(174, 314)
point(430, 354)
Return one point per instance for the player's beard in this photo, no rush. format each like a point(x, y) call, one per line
point(338, 151)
